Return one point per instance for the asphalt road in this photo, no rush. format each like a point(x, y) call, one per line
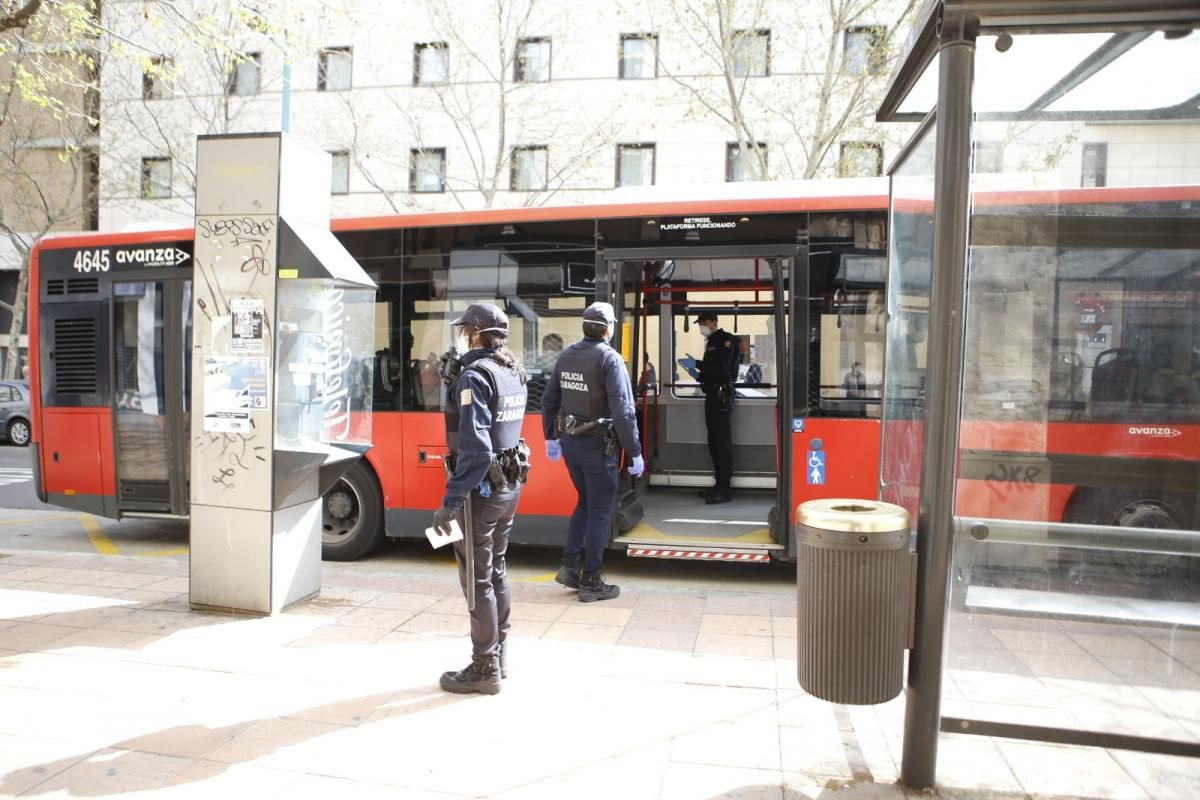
point(16, 479)
point(46, 527)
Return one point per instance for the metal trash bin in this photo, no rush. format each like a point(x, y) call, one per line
point(853, 586)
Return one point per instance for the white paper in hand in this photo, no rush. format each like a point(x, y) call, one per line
point(438, 539)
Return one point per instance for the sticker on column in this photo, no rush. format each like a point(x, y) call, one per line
point(815, 468)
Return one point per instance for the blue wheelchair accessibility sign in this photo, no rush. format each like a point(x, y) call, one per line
point(815, 468)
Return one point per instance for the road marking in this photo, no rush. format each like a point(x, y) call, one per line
point(444, 558)
point(10, 475)
point(177, 551)
point(549, 576)
point(37, 520)
point(100, 540)
point(692, 521)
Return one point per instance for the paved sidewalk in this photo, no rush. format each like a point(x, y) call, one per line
point(110, 685)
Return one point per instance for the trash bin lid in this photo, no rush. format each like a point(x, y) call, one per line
point(852, 516)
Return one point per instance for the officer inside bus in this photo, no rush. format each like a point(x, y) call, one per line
point(485, 406)
point(717, 374)
point(588, 416)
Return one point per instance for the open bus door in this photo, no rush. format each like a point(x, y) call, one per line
point(151, 362)
point(657, 293)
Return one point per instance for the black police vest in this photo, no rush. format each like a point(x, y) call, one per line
point(507, 405)
point(581, 381)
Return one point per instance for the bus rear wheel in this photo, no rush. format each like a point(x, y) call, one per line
point(1130, 509)
point(352, 515)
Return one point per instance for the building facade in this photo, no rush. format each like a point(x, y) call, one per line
point(435, 106)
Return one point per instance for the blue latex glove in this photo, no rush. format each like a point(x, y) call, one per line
point(637, 466)
point(553, 449)
point(689, 365)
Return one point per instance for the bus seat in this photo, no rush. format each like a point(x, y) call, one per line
point(1113, 376)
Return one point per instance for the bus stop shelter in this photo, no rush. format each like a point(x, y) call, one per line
point(1071, 117)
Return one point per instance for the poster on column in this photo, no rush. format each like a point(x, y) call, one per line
point(248, 316)
point(232, 388)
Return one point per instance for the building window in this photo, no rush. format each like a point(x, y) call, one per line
point(1095, 164)
point(156, 178)
point(860, 160)
point(639, 56)
point(530, 169)
point(864, 50)
point(742, 163)
point(154, 79)
point(431, 63)
point(427, 170)
point(635, 165)
point(339, 177)
point(751, 51)
point(989, 157)
point(334, 67)
point(245, 77)
point(532, 64)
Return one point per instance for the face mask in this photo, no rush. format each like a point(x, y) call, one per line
point(462, 344)
point(705, 331)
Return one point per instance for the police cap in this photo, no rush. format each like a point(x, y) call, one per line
point(600, 312)
point(707, 316)
point(483, 317)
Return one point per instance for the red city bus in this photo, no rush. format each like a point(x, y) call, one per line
point(1081, 361)
point(798, 279)
point(1090, 418)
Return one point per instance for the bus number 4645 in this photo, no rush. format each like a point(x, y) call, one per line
point(92, 261)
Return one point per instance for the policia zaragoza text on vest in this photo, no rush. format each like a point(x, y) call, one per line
point(488, 462)
point(587, 411)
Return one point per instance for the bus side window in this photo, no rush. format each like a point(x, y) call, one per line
point(851, 332)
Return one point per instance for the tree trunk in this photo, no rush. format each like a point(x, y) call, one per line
point(12, 359)
point(20, 17)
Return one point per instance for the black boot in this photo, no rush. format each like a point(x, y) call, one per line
point(568, 573)
point(481, 676)
point(504, 659)
point(717, 497)
point(592, 588)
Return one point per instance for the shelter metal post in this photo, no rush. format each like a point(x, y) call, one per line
point(935, 532)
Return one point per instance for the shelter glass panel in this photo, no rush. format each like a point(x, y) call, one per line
point(1076, 603)
point(910, 264)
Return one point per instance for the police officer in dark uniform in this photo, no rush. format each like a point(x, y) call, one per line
point(488, 462)
point(588, 416)
point(718, 373)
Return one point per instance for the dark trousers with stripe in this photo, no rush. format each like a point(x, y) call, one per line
point(492, 521)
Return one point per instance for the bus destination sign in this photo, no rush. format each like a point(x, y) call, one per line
point(699, 224)
point(137, 257)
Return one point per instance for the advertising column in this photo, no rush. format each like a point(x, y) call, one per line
point(281, 395)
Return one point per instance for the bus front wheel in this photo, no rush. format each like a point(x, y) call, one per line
point(352, 515)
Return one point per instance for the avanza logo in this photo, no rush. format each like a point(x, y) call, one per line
point(1155, 431)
